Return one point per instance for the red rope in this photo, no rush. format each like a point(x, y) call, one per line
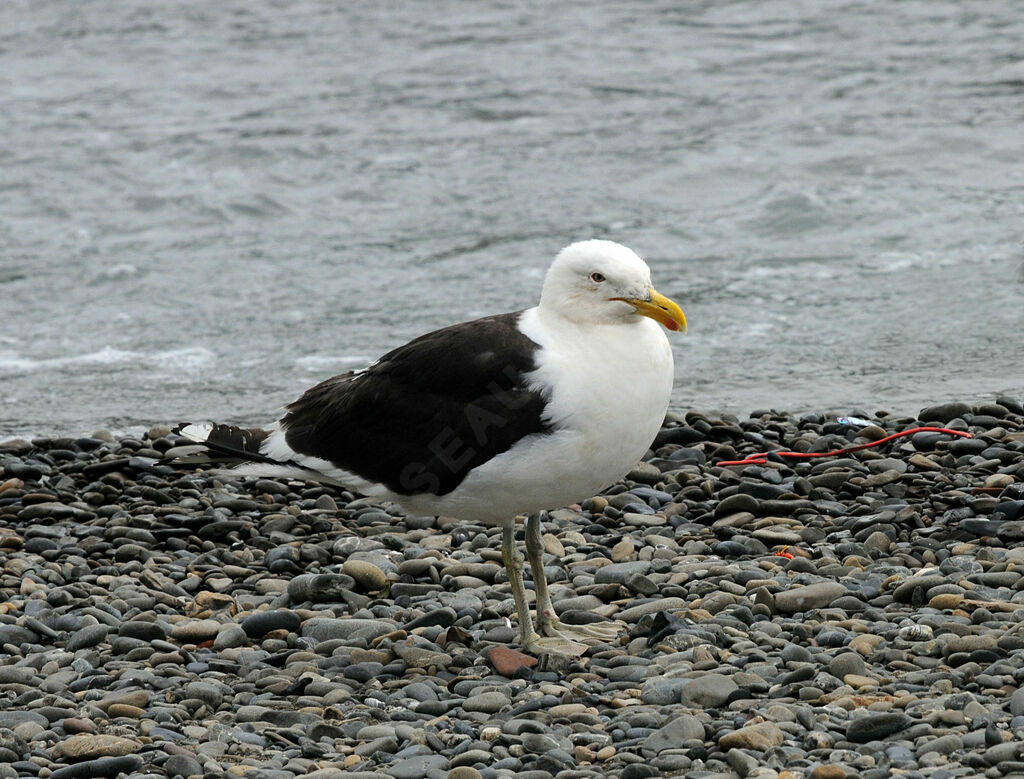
point(762, 458)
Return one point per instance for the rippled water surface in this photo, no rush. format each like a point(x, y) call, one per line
point(206, 207)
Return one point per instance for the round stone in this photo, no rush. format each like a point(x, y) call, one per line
point(195, 631)
point(260, 623)
point(370, 577)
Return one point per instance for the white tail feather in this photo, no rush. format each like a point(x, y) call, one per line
point(197, 432)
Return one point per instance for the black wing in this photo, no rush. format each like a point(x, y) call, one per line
point(424, 415)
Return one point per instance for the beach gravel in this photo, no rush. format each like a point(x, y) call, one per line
point(853, 615)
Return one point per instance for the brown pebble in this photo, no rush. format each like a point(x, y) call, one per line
point(871, 433)
point(553, 546)
point(125, 710)
point(583, 754)
point(996, 481)
point(464, 772)
point(923, 463)
point(131, 698)
point(507, 661)
point(623, 551)
point(77, 725)
point(865, 643)
point(759, 737)
point(859, 682)
point(368, 575)
point(86, 746)
point(605, 753)
point(946, 600)
point(214, 601)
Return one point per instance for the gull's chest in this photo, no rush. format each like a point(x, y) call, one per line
point(613, 388)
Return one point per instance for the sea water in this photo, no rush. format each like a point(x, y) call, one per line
point(207, 207)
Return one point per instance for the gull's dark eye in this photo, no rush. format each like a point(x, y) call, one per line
point(596, 277)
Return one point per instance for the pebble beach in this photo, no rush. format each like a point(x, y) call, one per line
point(860, 615)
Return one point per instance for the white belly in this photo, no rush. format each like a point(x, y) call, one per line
point(609, 394)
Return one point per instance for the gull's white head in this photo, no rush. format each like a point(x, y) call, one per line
point(603, 282)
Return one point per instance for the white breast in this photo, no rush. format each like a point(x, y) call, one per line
point(610, 384)
point(609, 389)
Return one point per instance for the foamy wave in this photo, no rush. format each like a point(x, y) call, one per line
point(894, 262)
point(188, 359)
point(116, 272)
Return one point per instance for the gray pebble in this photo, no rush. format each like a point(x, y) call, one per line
point(709, 690)
point(733, 655)
point(1017, 702)
point(661, 691)
point(262, 622)
point(847, 663)
point(944, 745)
point(617, 573)
point(101, 767)
point(486, 702)
point(874, 727)
point(87, 637)
point(320, 588)
point(230, 635)
point(685, 727)
point(183, 765)
point(811, 596)
point(349, 630)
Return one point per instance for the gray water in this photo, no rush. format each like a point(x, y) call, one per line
point(207, 207)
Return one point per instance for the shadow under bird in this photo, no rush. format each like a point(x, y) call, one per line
point(498, 417)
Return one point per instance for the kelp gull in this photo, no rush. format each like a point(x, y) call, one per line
point(505, 415)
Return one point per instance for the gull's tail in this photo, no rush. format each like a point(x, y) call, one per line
point(253, 451)
point(243, 443)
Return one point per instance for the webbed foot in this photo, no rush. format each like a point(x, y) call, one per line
point(557, 645)
point(594, 632)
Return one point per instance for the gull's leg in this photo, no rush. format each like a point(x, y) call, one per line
point(528, 637)
point(548, 624)
point(514, 565)
point(534, 553)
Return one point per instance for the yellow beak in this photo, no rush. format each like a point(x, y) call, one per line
point(660, 309)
